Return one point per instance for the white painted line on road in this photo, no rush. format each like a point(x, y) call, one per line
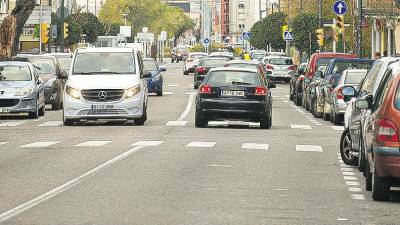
point(285, 101)
point(301, 127)
point(191, 93)
point(51, 124)
point(347, 169)
point(226, 166)
point(338, 128)
point(348, 173)
point(201, 144)
point(188, 107)
point(148, 143)
point(218, 123)
point(176, 123)
point(60, 189)
point(309, 148)
point(282, 98)
point(256, 146)
point(352, 183)
point(342, 219)
point(354, 189)
point(4, 143)
point(92, 144)
point(287, 96)
point(168, 93)
point(281, 189)
point(341, 161)
point(39, 144)
point(358, 197)
point(12, 123)
point(350, 178)
point(173, 85)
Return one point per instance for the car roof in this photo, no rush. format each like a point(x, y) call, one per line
point(352, 60)
point(59, 54)
point(233, 69)
point(213, 58)
point(243, 62)
point(34, 56)
point(15, 63)
point(198, 53)
point(106, 49)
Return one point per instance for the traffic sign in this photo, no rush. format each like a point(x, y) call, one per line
point(340, 7)
point(288, 36)
point(206, 41)
point(246, 35)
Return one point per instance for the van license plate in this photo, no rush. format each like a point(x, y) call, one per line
point(102, 106)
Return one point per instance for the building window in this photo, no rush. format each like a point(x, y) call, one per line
point(241, 26)
point(241, 6)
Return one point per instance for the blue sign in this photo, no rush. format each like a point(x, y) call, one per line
point(288, 36)
point(340, 7)
point(206, 41)
point(246, 35)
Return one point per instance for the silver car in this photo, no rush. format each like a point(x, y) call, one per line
point(280, 68)
point(21, 89)
point(192, 62)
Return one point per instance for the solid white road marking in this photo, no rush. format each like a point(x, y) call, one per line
point(51, 123)
point(309, 148)
point(338, 128)
point(256, 146)
point(347, 169)
point(218, 123)
point(348, 174)
point(39, 144)
point(12, 123)
point(148, 143)
point(92, 144)
point(176, 123)
point(4, 143)
point(287, 96)
point(285, 101)
point(173, 85)
point(301, 127)
point(56, 191)
point(352, 183)
point(349, 178)
point(168, 93)
point(188, 107)
point(226, 166)
point(195, 144)
point(355, 189)
point(358, 197)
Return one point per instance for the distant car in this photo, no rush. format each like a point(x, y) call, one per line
point(204, 66)
point(64, 59)
point(155, 82)
point(192, 62)
point(259, 55)
point(247, 64)
point(21, 89)
point(49, 71)
point(179, 54)
point(295, 92)
point(275, 54)
point(227, 55)
point(234, 93)
point(280, 68)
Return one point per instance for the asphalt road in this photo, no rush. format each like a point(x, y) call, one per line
point(169, 172)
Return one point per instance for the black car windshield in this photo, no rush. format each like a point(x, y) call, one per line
point(323, 61)
point(280, 61)
point(95, 63)
point(242, 65)
point(43, 65)
point(233, 77)
point(213, 62)
point(354, 77)
point(150, 65)
point(65, 62)
point(340, 67)
point(15, 73)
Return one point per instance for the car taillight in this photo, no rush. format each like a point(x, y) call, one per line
point(301, 78)
point(387, 131)
point(205, 89)
point(339, 93)
point(269, 67)
point(260, 91)
point(201, 70)
point(291, 68)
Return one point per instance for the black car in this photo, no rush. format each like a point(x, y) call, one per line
point(234, 93)
point(296, 91)
point(53, 77)
point(204, 66)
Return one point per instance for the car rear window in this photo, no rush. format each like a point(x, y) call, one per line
point(354, 77)
point(233, 77)
point(258, 56)
point(397, 98)
point(242, 65)
point(213, 62)
point(43, 65)
point(15, 73)
point(280, 61)
point(323, 61)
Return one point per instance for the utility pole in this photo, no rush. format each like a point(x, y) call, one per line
point(320, 13)
point(62, 27)
point(359, 28)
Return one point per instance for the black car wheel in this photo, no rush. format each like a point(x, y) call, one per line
point(56, 105)
point(141, 120)
point(345, 149)
point(336, 119)
point(368, 178)
point(266, 122)
point(380, 188)
point(361, 156)
point(297, 100)
point(199, 120)
point(326, 116)
point(42, 110)
point(35, 114)
point(314, 107)
point(160, 91)
point(68, 122)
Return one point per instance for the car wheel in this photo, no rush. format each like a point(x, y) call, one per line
point(314, 107)
point(297, 100)
point(380, 188)
point(199, 120)
point(361, 156)
point(331, 116)
point(196, 86)
point(336, 119)
point(345, 149)
point(326, 116)
point(368, 178)
point(185, 72)
point(141, 120)
point(35, 114)
point(56, 105)
point(160, 91)
point(265, 123)
point(291, 95)
point(42, 110)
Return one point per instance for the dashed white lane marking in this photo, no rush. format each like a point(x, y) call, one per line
point(148, 143)
point(4, 143)
point(348, 173)
point(301, 127)
point(173, 85)
point(285, 101)
point(342, 219)
point(201, 144)
point(282, 98)
point(347, 169)
point(39, 144)
point(256, 146)
point(355, 189)
point(287, 96)
point(191, 93)
point(358, 197)
point(338, 128)
point(309, 148)
point(92, 144)
point(226, 166)
point(168, 93)
point(352, 183)
point(12, 123)
point(51, 124)
point(349, 178)
point(176, 123)
point(60, 189)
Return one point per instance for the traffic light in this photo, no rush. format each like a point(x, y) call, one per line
point(45, 30)
point(65, 30)
point(340, 24)
point(320, 36)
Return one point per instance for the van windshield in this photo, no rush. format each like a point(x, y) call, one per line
point(95, 63)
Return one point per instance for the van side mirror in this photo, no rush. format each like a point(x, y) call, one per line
point(63, 75)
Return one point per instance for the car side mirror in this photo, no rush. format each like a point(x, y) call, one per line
point(63, 75)
point(146, 74)
point(349, 91)
point(362, 104)
point(271, 85)
point(163, 69)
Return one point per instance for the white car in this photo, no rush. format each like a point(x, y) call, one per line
point(279, 68)
point(192, 62)
point(106, 83)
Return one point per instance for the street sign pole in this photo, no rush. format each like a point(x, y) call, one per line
point(40, 29)
point(62, 27)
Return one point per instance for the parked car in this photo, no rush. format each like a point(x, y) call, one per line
point(321, 100)
point(21, 89)
point(64, 59)
point(234, 93)
point(367, 89)
point(338, 102)
point(295, 91)
point(192, 62)
point(316, 61)
point(106, 83)
point(179, 54)
point(52, 75)
point(155, 82)
point(248, 64)
point(280, 68)
point(204, 66)
point(257, 55)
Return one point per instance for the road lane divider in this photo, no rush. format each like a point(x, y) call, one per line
point(180, 121)
point(41, 144)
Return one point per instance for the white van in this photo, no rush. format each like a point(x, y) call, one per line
point(106, 83)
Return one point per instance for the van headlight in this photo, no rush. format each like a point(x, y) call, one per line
point(130, 92)
point(75, 93)
point(24, 92)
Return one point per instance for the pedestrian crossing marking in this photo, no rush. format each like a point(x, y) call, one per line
point(349, 178)
point(352, 183)
point(255, 146)
point(176, 123)
point(201, 144)
point(12, 123)
point(39, 144)
point(92, 144)
point(358, 197)
point(338, 128)
point(309, 148)
point(301, 127)
point(4, 143)
point(354, 189)
point(173, 85)
point(51, 124)
point(148, 143)
point(168, 93)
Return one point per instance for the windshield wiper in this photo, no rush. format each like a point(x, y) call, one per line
point(240, 83)
point(98, 72)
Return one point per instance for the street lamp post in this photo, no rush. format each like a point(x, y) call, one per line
point(359, 29)
point(125, 15)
